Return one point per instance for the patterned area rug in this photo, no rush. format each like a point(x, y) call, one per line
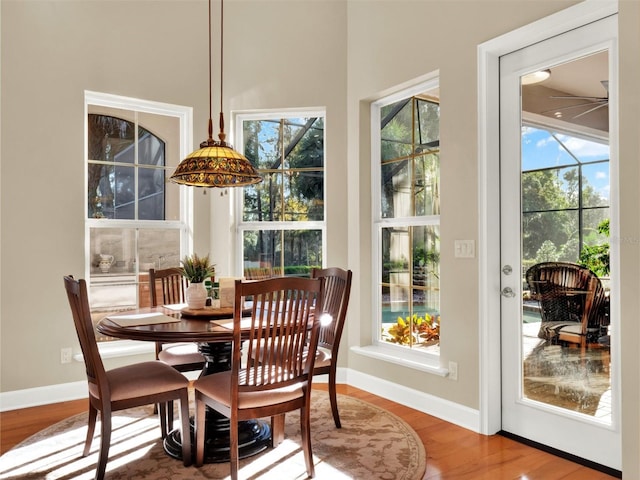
point(372, 444)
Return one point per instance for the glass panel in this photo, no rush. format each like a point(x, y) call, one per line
point(289, 154)
point(158, 248)
point(397, 122)
point(550, 236)
point(395, 190)
point(427, 184)
point(427, 125)
point(150, 149)
point(263, 202)
point(267, 251)
point(304, 196)
point(151, 193)
point(111, 193)
point(308, 149)
point(541, 150)
point(262, 250)
point(564, 210)
point(584, 150)
point(595, 189)
point(396, 253)
point(110, 139)
point(261, 143)
point(551, 189)
point(392, 150)
point(112, 250)
point(122, 184)
point(302, 248)
point(595, 249)
point(112, 272)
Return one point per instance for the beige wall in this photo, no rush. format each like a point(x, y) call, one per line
point(278, 54)
point(392, 43)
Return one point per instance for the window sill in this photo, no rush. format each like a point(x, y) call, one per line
point(425, 363)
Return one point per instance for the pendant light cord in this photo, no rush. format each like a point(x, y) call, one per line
point(210, 140)
point(221, 135)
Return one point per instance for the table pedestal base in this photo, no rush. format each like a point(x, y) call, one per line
point(253, 435)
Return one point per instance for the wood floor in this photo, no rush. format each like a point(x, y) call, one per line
point(452, 452)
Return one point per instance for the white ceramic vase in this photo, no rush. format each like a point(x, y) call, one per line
point(196, 295)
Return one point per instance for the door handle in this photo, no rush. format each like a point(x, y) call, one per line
point(508, 292)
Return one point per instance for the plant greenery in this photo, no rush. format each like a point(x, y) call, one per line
point(596, 257)
point(414, 330)
point(197, 269)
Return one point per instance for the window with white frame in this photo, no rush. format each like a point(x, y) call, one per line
point(406, 166)
point(135, 218)
point(282, 219)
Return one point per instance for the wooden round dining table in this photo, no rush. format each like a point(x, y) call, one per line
point(212, 329)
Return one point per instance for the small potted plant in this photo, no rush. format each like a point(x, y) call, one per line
point(197, 269)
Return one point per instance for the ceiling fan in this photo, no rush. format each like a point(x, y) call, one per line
point(594, 102)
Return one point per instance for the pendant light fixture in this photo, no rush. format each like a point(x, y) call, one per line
point(216, 163)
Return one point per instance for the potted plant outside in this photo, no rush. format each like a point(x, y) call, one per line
point(196, 270)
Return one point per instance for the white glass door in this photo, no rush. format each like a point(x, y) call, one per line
point(556, 179)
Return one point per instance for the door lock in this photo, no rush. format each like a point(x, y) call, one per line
point(507, 270)
point(508, 292)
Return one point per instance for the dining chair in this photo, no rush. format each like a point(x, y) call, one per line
point(574, 307)
point(130, 386)
point(337, 289)
point(280, 323)
point(171, 284)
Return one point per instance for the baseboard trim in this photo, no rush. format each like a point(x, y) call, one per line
point(446, 410)
point(34, 397)
point(449, 411)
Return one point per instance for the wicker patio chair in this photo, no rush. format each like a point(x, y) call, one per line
point(573, 304)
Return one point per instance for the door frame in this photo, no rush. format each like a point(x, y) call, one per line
point(489, 53)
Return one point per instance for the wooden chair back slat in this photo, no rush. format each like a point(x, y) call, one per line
point(337, 290)
point(167, 286)
point(280, 321)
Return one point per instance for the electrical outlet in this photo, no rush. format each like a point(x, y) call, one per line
point(464, 248)
point(453, 371)
point(66, 355)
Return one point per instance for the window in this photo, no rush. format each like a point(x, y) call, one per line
point(282, 223)
point(406, 159)
point(135, 218)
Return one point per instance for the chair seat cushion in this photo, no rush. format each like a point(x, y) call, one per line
point(575, 330)
point(218, 387)
point(549, 330)
point(141, 379)
point(180, 354)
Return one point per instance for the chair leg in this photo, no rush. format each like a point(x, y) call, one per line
point(199, 427)
point(91, 428)
point(105, 443)
point(277, 430)
point(333, 396)
point(185, 434)
point(163, 420)
point(233, 446)
point(169, 417)
point(305, 433)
